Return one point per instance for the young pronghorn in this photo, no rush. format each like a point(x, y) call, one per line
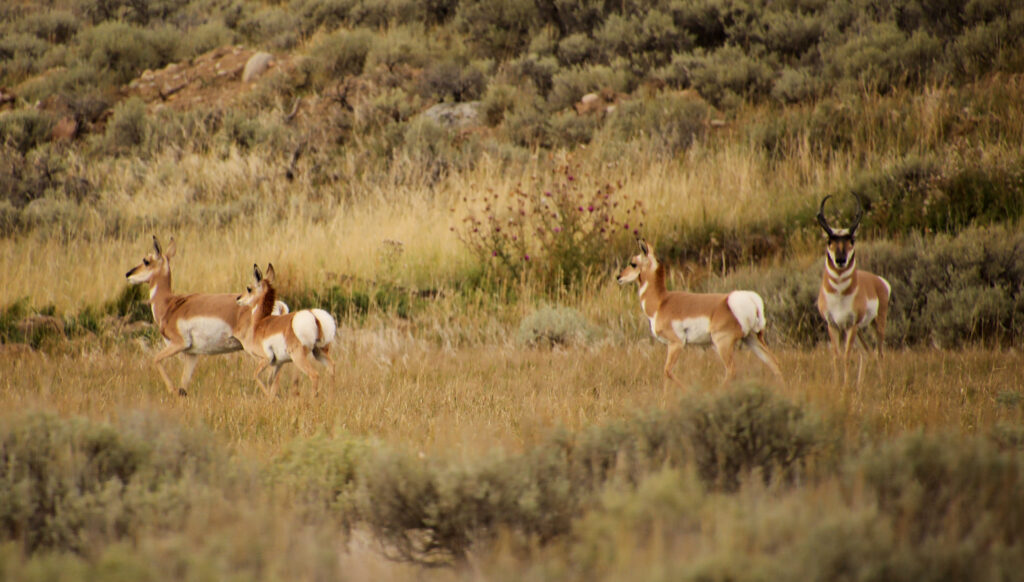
point(191, 325)
point(849, 298)
point(278, 339)
point(679, 318)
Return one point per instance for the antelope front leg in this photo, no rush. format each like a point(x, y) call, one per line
point(169, 351)
point(850, 334)
point(674, 350)
point(263, 366)
point(186, 372)
point(833, 341)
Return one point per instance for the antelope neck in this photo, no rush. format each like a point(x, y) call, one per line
point(652, 286)
point(840, 280)
point(160, 294)
point(266, 305)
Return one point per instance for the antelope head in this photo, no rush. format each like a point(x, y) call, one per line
point(155, 263)
point(639, 264)
point(840, 241)
point(259, 288)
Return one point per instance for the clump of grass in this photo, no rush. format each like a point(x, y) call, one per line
point(554, 326)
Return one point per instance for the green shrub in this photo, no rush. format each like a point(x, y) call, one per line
point(55, 25)
point(206, 37)
point(25, 129)
point(568, 86)
point(724, 77)
point(497, 29)
point(927, 194)
point(576, 49)
point(749, 429)
point(452, 80)
point(74, 485)
point(129, 127)
point(20, 54)
point(319, 474)
point(948, 488)
point(554, 326)
point(669, 122)
point(339, 55)
point(537, 70)
point(400, 46)
point(125, 50)
point(499, 99)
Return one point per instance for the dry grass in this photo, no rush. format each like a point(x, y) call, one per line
point(391, 387)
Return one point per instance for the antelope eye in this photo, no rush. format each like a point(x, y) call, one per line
point(145, 262)
point(632, 264)
point(248, 289)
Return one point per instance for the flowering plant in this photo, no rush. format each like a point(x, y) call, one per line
point(556, 229)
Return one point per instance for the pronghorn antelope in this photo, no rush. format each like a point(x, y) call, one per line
point(849, 298)
point(191, 325)
point(278, 339)
point(679, 318)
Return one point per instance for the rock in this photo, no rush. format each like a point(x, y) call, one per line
point(455, 115)
point(256, 66)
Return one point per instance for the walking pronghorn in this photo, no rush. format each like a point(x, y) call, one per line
point(191, 325)
point(679, 318)
point(849, 298)
point(279, 339)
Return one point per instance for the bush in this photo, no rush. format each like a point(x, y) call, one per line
point(947, 488)
point(671, 123)
point(556, 231)
point(724, 77)
point(551, 326)
point(750, 429)
point(74, 485)
point(568, 86)
point(126, 50)
point(451, 80)
point(25, 129)
point(337, 56)
point(20, 54)
point(129, 127)
point(497, 29)
point(931, 195)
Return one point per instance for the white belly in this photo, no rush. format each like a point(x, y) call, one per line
point(207, 335)
point(693, 330)
point(275, 348)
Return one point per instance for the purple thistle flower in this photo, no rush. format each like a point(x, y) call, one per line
point(527, 257)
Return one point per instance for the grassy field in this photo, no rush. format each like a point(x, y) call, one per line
point(497, 409)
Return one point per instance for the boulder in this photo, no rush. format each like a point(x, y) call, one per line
point(256, 66)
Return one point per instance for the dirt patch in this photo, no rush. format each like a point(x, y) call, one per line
point(211, 79)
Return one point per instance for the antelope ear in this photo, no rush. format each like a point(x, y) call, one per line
point(643, 246)
point(257, 273)
point(171, 248)
point(156, 246)
point(270, 272)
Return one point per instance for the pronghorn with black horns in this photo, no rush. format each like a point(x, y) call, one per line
point(192, 325)
point(680, 319)
point(278, 339)
point(849, 299)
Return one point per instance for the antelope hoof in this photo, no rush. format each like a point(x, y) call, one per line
point(182, 392)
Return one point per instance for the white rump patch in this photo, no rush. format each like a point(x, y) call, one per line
point(328, 327)
point(748, 309)
point(305, 328)
point(280, 308)
point(207, 335)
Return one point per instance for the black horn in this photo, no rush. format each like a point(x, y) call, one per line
point(821, 217)
point(860, 215)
